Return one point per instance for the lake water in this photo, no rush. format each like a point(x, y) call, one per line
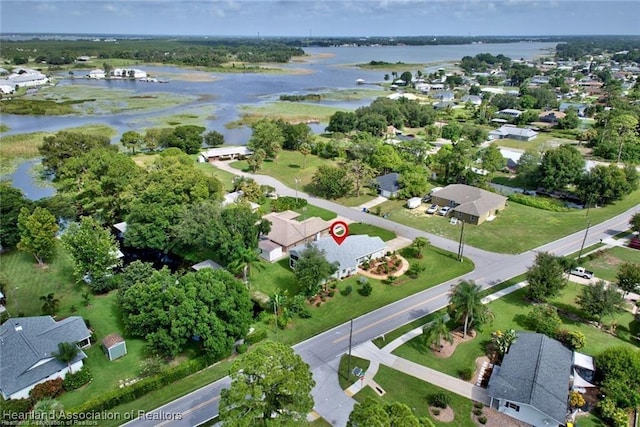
point(327, 69)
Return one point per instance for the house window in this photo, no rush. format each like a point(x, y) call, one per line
point(513, 406)
point(474, 218)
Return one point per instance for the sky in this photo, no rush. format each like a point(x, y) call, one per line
point(317, 18)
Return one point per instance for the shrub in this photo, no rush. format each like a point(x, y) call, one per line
point(283, 321)
point(576, 400)
point(572, 339)
point(435, 411)
point(478, 405)
point(256, 336)
point(331, 294)
point(242, 348)
point(77, 379)
point(287, 203)
point(482, 419)
point(544, 319)
point(151, 366)
point(15, 406)
point(544, 203)
point(440, 400)
point(477, 411)
point(467, 373)
point(426, 422)
point(366, 289)
point(334, 285)
point(51, 388)
point(304, 313)
point(347, 290)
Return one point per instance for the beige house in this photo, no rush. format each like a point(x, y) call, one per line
point(470, 204)
point(288, 232)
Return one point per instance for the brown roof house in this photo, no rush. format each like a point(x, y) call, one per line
point(288, 232)
point(470, 204)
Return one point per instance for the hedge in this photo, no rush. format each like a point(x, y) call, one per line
point(545, 203)
point(73, 381)
point(51, 388)
point(119, 396)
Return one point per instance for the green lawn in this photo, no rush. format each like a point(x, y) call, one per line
point(510, 312)
point(289, 111)
point(516, 229)
point(345, 375)
point(413, 392)
point(371, 230)
point(310, 211)
point(605, 263)
point(290, 166)
point(440, 267)
point(542, 142)
point(225, 177)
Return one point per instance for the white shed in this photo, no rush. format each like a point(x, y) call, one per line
point(414, 202)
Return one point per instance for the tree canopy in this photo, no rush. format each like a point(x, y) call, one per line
point(12, 201)
point(545, 277)
point(56, 149)
point(271, 384)
point(465, 306)
point(37, 233)
point(312, 269)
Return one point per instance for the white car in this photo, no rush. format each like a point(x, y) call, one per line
point(444, 211)
point(432, 209)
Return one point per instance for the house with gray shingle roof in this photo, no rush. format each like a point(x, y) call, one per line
point(470, 204)
point(388, 184)
point(27, 351)
point(532, 384)
point(353, 251)
point(513, 132)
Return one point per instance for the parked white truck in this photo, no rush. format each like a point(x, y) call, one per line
point(582, 272)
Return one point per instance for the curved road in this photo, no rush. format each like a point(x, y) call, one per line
point(322, 352)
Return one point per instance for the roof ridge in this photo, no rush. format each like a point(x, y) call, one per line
point(537, 370)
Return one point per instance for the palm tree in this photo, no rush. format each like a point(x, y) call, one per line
point(244, 259)
point(466, 304)
point(51, 303)
point(67, 351)
point(305, 150)
point(434, 332)
point(47, 408)
point(419, 243)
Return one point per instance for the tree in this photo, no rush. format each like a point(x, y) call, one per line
point(312, 269)
point(50, 303)
point(465, 305)
point(603, 184)
point(360, 173)
point(94, 251)
point(600, 300)
point(67, 351)
point(213, 138)
point(371, 413)
point(570, 121)
point(12, 201)
point(294, 135)
point(434, 332)
point(56, 149)
point(131, 139)
point(414, 182)
point(305, 150)
point(619, 375)
point(634, 222)
point(243, 259)
point(270, 384)
point(419, 243)
point(187, 138)
point(37, 233)
point(628, 277)
point(560, 167)
point(267, 136)
point(256, 159)
point(332, 182)
point(169, 311)
point(385, 159)
point(545, 277)
point(342, 121)
point(544, 319)
point(492, 159)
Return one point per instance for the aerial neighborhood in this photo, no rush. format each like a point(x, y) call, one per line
point(459, 245)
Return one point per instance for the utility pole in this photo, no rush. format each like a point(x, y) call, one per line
point(296, 181)
point(461, 243)
point(586, 232)
point(349, 359)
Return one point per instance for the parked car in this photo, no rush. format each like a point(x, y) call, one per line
point(444, 211)
point(432, 209)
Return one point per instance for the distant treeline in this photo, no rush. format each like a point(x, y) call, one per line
point(298, 98)
point(579, 47)
point(192, 52)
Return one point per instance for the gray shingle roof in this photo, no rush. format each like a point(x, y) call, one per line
point(25, 341)
point(346, 254)
point(389, 182)
point(471, 200)
point(535, 372)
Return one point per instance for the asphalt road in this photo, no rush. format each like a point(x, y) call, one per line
point(323, 351)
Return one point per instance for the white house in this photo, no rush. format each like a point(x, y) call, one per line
point(228, 152)
point(6, 89)
point(96, 74)
point(24, 77)
point(27, 348)
point(128, 72)
point(353, 251)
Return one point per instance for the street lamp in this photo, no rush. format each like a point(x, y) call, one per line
point(296, 181)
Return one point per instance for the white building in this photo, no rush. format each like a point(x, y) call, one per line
point(96, 74)
point(24, 77)
point(128, 73)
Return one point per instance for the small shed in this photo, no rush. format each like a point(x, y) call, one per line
point(414, 202)
point(114, 346)
point(269, 250)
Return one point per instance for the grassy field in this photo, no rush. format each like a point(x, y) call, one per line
point(413, 392)
point(14, 149)
point(289, 167)
point(510, 312)
point(225, 177)
point(605, 264)
point(513, 229)
point(312, 210)
point(192, 116)
point(288, 111)
point(542, 142)
point(277, 277)
point(345, 375)
point(371, 230)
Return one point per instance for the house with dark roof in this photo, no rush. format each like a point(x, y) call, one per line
point(353, 251)
point(388, 185)
point(470, 204)
point(27, 352)
point(532, 383)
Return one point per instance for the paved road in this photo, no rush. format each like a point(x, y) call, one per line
point(323, 351)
